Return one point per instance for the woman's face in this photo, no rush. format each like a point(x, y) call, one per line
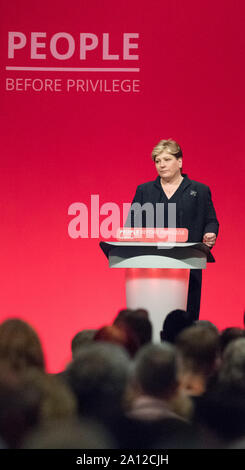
point(168, 166)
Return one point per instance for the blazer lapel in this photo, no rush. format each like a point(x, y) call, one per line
point(185, 183)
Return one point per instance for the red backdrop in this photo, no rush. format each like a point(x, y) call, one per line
point(58, 148)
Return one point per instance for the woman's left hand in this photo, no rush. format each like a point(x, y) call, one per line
point(209, 239)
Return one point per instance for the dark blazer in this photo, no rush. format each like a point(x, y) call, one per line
point(194, 207)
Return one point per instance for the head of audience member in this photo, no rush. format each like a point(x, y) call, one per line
point(80, 339)
point(206, 324)
point(20, 345)
point(198, 348)
point(174, 323)
point(141, 312)
point(121, 335)
point(228, 335)
point(122, 314)
point(155, 370)
point(138, 322)
point(155, 377)
point(98, 376)
point(232, 370)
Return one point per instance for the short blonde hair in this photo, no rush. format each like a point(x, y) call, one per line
point(169, 146)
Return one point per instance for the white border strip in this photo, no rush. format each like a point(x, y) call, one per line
point(71, 69)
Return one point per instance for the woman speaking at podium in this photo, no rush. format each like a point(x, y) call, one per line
point(194, 207)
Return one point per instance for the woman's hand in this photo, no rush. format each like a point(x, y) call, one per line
point(209, 239)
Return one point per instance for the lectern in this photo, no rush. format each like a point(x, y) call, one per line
point(157, 274)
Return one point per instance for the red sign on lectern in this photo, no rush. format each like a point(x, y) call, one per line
point(138, 234)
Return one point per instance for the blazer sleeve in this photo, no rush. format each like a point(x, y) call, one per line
point(211, 222)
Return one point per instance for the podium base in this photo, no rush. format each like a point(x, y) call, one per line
point(157, 290)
